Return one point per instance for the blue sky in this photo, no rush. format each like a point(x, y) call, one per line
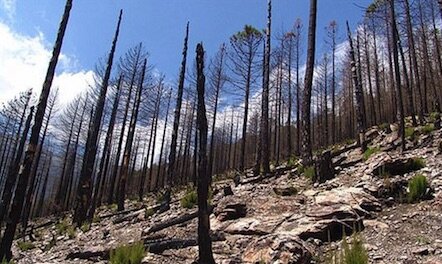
point(160, 25)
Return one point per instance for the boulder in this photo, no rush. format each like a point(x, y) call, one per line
point(285, 191)
point(278, 248)
point(230, 208)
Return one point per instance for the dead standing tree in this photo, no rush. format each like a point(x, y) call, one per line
point(204, 241)
point(84, 191)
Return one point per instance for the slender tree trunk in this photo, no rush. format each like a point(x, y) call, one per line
point(265, 144)
point(176, 121)
point(162, 143)
point(205, 255)
point(13, 171)
point(358, 93)
point(84, 191)
point(395, 41)
point(104, 163)
point(129, 142)
point(308, 83)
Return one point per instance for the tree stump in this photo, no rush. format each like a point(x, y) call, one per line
point(324, 169)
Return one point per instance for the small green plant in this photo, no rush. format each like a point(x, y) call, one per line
point(349, 254)
point(71, 232)
point(148, 213)
point(417, 163)
point(369, 152)
point(427, 129)
point(25, 245)
point(62, 226)
point(190, 199)
point(417, 188)
point(384, 126)
point(434, 116)
point(309, 172)
point(5, 261)
point(86, 226)
point(112, 207)
point(292, 161)
point(410, 133)
point(130, 254)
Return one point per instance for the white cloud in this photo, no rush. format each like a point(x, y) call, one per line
point(24, 61)
point(8, 6)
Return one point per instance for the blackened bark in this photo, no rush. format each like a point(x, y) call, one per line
point(265, 144)
point(176, 120)
point(308, 82)
point(84, 191)
point(129, 142)
point(204, 241)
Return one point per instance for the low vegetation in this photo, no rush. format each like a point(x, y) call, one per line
point(353, 253)
point(190, 199)
point(417, 163)
point(129, 254)
point(427, 129)
point(369, 152)
point(25, 245)
point(410, 133)
point(417, 188)
point(309, 171)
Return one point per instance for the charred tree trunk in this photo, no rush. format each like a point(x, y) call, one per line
point(204, 240)
point(395, 41)
point(176, 121)
point(104, 163)
point(358, 93)
point(308, 83)
point(265, 144)
point(157, 182)
point(129, 142)
point(84, 191)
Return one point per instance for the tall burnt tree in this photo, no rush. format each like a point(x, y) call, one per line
point(23, 178)
point(205, 254)
point(129, 141)
point(394, 45)
point(217, 79)
point(358, 93)
point(84, 191)
point(308, 83)
point(265, 140)
point(104, 163)
point(176, 121)
point(243, 57)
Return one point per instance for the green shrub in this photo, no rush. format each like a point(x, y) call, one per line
point(292, 161)
point(434, 116)
point(25, 246)
point(130, 254)
point(62, 226)
point(369, 152)
point(417, 187)
point(190, 199)
point(427, 129)
point(417, 163)
point(71, 232)
point(349, 254)
point(309, 171)
point(86, 226)
point(112, 207)
point(384, 126)
point(148, 213)
point(410, 133)
point(5, 261)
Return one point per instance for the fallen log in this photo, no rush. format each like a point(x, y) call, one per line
point(128, 217)
point(156, 246)
point(344, 149)
point(174, 221)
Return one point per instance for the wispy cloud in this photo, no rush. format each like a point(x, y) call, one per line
point(23, 64)
point(8, 6)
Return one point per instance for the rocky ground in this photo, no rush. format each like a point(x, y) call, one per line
point(284, 218)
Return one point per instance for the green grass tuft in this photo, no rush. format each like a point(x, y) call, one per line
point(25, 246)
point(86, 226)
point(427, 129)
point(190, 199)
point(369, 152)
point(417, 163)
point(410, 133)
point(5, 261)
point(62, 226)
point(349, 254)
point(130, 254)
point(417, 188)
point(292, 161)
point(148, 213)
point(71, 232)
